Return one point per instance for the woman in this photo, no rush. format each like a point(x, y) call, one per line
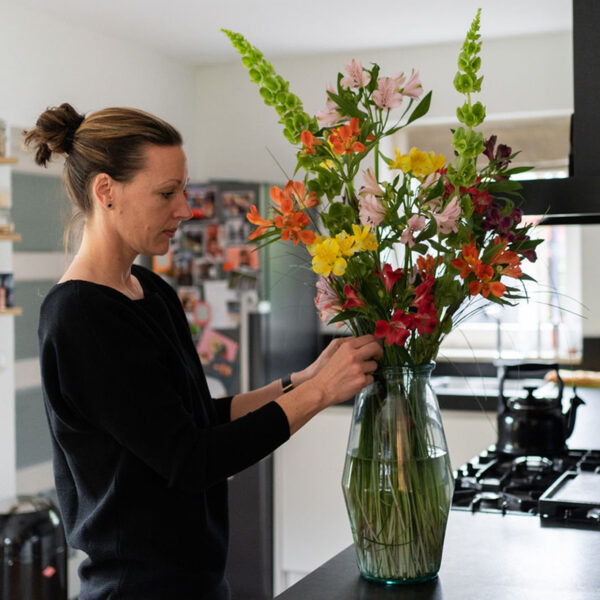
point(141, 451)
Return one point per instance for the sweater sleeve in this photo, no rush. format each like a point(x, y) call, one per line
point(114, 378)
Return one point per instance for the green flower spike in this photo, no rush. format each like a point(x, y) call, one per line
point(273, 89)
point(468, 143)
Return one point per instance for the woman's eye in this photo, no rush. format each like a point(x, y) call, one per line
point(166, 195)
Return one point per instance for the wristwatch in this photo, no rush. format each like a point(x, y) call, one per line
point(286, 383)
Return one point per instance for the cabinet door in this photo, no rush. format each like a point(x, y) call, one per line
point(311, 523)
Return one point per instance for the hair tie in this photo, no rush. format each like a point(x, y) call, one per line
point(70, 137)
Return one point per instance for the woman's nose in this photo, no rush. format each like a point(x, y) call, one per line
point(184, 210)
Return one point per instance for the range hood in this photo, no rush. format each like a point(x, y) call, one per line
point(576, 199)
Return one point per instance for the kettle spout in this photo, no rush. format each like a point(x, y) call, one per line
point(576, 402)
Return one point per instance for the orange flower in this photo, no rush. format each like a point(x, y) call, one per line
point(292, 225)
point(308, 141)
point(344, 139)
point(427, 264)
point(486, 288)
point(508, 258)
point(283, 200)
point(256, 219)
point(469, 260)
point(297, 191)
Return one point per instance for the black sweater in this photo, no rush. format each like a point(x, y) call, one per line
point(141, 451)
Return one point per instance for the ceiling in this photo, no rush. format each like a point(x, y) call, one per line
point(188, 30)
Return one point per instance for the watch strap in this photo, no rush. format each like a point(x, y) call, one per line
point(286, 383)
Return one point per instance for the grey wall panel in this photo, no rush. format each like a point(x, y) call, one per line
point(33, 436)
point(29, 295)
point(40, 211)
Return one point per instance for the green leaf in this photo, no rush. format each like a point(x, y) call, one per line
point(421, 109)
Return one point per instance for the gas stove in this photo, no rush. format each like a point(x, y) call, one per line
point(561, 490)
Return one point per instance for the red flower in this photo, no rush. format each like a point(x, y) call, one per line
point(352, 298)
point(389, 276)
point(256, 219)
point(423, 294)
point(481, 199)
point(308, 141)
point(426, 318)
point(395, 331)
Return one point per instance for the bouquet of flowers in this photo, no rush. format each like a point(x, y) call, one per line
point(405, 249)
point(404, 257)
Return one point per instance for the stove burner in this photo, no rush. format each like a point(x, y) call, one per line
point(532, 463)
point(494, 482)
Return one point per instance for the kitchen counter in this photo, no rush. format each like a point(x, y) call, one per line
point(486, 557)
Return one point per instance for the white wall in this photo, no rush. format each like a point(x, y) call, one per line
point(47, 61)
point(522, 75)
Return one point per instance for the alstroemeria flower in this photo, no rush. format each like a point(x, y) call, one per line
point(425, 320)
point(469, 260)
point(508, 261)
point(308, 141)
point(447, 219)
point(423, 292)
point(356, 77)
point(353, 300)
point(417, 162)
point(387, 96)
point(480, 199)
point(427, 264)
point(415, 223)
point(331, 115)
point(363, 238)
point(327, 301)
point(256, 219)
point(370, 210)
point(346, 244)
point(344, 139)
point(413, 87)
point(294, 225)
point(389, 276)
point(394, 331)
point(297, 191)
point(327, 258)
point(371, 185)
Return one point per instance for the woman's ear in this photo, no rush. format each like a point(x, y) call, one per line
point(102, 189)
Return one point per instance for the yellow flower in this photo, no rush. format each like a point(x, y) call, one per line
point(346, 243)
point(311, 247)
point(327, 164)
point(327, 258)
point(363, 238)
point(419, 163)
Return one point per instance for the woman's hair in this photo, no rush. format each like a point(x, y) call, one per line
point(109, 141)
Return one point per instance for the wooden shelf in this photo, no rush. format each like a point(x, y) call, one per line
point(13, 310)
point(10, 237)
point(8, 160)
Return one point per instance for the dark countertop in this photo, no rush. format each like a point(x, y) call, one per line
point(486, 557)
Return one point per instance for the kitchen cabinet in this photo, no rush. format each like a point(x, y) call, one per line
point(485, 556)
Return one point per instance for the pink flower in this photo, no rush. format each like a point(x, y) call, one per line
point(413, 87)
point(446, 220)
point(356, 78)
point(327, 302)
point(415, 223)
point(330, 116)
point(370, 210)
point(371, 185)
point(387, 95)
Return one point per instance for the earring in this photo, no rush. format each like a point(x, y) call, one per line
point(109, 205)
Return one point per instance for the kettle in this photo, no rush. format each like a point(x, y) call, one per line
point(533, 425)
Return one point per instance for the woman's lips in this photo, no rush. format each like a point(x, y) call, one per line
point(170, 232)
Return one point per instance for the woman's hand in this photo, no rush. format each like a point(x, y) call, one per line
point(313, 369)
point(345, 367)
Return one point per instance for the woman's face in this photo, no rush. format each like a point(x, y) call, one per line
point(149, 208)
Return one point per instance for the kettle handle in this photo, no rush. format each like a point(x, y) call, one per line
point(506, 368)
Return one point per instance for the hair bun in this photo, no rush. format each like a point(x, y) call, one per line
point(54, 132)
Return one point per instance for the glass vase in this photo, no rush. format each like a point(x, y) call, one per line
point(397, 479)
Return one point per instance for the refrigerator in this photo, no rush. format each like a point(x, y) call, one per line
point(252, 316)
